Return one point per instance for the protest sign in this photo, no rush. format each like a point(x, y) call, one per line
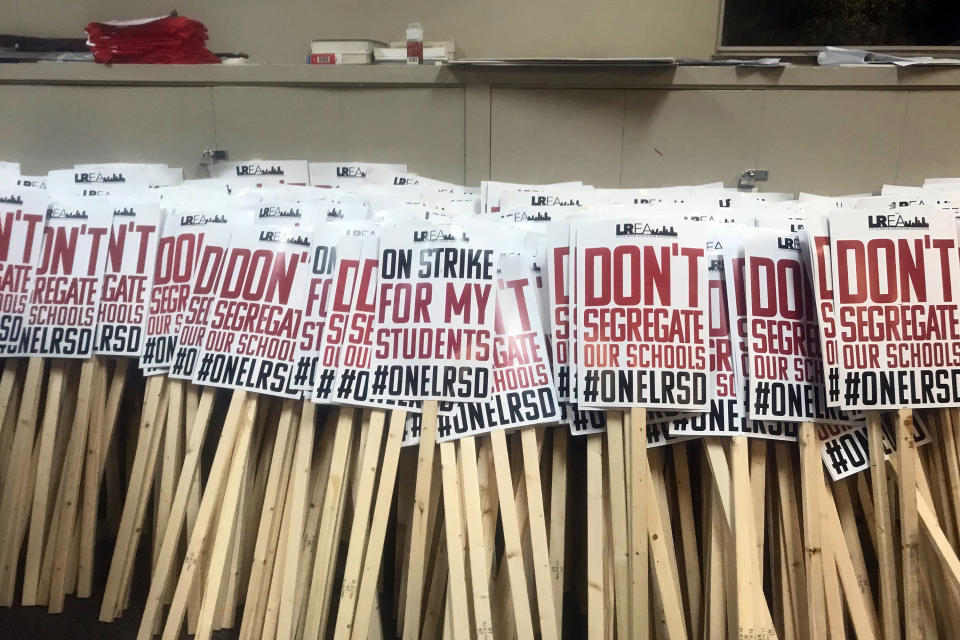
point(254, 321)
point(22, 218)
point(330, 335)
point(352, 384)
point(523, 392)
point(815, 245)
point(845, 448)
point(435, 312)
point(558, 268)
point(261, 173)
point(87, 179)
point(193, 242)
point(65, 296)
point(584, 422)
point(730, 242)
point(127, 281)
point(346, 174)
point(642, 314)
point(727, 414)
point(323, 261)
point(785, 369)
point(894, 275)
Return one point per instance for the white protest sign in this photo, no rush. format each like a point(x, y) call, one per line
point(845, 449)
point(896, 282)
point(642, 314)
point(584, 423)
point(727, 414)
point(354, 383)
point(332, 334)
point(127, 281)
point(731, 244)
point(323, 261)
point(32, 182)
point(785, 369)
point(558, 288)
point(254, 322)
point(95, 177)
point(435, 312)
point(22, 216)
point(262, 172)
point(65, 297)
point(523, 391)
point(346, 174)
point(816, 250)
point(492, 191)
point(192, 241)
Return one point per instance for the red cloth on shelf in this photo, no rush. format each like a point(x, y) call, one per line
point(166, 40)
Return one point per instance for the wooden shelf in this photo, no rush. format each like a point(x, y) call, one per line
point(683, 77)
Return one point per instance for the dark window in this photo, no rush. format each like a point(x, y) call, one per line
point(816, 23)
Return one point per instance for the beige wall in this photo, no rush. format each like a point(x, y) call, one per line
point(826, 131)
point(281, 30)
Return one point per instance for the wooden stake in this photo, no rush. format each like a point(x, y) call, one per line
point(714, 604)
point(457, 582)
point(329, 535)
point(618, 512)
point(73, 468)
point(758, 476)
point(664, 567)
point(858, 597)
point(278, 464)
point(639, 530)
point(368, 464)
point(886, 565)
point(12, 372)
point(319, 475)
point(421, 509)
point(8, 425)
point(747, 574)
point(236, 426)
point(40, 512)
point(476, 538)
point(170, 460)
point(558, 516)
point(688, 534)
point(595, 599)
point(93, 466)
point(185, 484)
point(16, 479)
point(378, 526)
point(406, 478)
point(947, 438)
point(909, 524)
point(538, 534)
point(300, 482)
point(274, 588)
point(138, 491)
point(810, 473)
point(437, 591)
point(511, 536)
point(226, 522)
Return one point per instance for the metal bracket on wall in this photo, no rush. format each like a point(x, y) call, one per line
point(749, 178)
point(212, 156)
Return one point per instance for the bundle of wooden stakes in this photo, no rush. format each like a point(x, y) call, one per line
point(313, 522)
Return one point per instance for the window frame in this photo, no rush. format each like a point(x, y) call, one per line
point(801, 51)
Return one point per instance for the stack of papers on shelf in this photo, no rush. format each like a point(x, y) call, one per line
point(837, 56)
point(733, 62)
point(442, 51)
point(343, 51)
